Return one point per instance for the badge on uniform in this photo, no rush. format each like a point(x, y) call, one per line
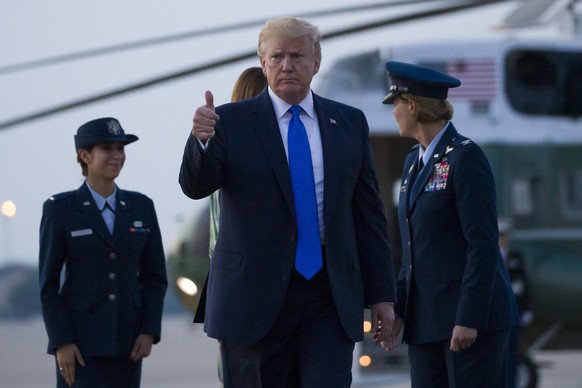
point(438, 178)
point(138, 227)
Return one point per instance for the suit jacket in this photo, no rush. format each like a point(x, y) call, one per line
point(113, 285)
point(452, 271)
point(254, 253)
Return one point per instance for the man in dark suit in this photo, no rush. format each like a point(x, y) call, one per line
point(454, 295)
point(294, 327)
point(104, 314)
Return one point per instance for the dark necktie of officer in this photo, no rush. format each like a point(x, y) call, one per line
point(414, 174)
point(308, 259)
point(108, 218)
point(107, 206)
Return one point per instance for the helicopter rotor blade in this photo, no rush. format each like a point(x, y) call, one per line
point(230, 60)
point(122, 47)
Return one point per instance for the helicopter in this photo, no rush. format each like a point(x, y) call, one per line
point(520, 63)
point(521, 100)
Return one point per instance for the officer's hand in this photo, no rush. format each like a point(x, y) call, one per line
point(382, 321)
point(205, 119)
point(462, 338)
point(142, 347)
point(392, 340)
point(67, 354)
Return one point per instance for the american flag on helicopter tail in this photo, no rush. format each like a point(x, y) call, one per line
point(477, 75)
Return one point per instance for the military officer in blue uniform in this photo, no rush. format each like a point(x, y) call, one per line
point(454, 303)
point(101, 269)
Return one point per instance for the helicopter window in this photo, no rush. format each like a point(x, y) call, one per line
point(522, 202)
point(355, 74)
point(544, 82)
point(572, 194)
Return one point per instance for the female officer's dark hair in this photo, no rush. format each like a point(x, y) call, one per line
point(89, 149)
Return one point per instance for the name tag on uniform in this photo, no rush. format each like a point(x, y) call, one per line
point(81, 232)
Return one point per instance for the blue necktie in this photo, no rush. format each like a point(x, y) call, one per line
point(308, 256)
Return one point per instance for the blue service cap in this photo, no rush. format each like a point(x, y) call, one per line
point(103, 130)
point(418, 81)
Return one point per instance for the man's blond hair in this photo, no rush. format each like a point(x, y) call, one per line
point(290, 27)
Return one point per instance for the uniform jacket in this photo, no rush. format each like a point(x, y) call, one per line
point(113, 286)
point(452, 271)
point(254, 254)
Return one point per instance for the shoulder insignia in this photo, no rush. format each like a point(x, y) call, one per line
point(60, 196)
point(465, 142)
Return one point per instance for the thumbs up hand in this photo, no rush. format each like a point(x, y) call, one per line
point(205, 119)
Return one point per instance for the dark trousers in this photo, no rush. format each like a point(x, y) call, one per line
point(483, 365)
point(306, 347)
point(100, 372)
point(240, 366)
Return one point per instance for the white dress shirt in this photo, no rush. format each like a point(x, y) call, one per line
point(309, 119)
point(107, 214)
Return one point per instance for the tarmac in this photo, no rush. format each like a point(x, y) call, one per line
point(187, 358)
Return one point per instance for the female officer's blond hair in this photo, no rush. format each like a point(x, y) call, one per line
point(430, 109)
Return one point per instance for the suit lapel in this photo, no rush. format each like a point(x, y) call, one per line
point(91, 214)
point(267, 128)
point(328, 124)
point(422, 178)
